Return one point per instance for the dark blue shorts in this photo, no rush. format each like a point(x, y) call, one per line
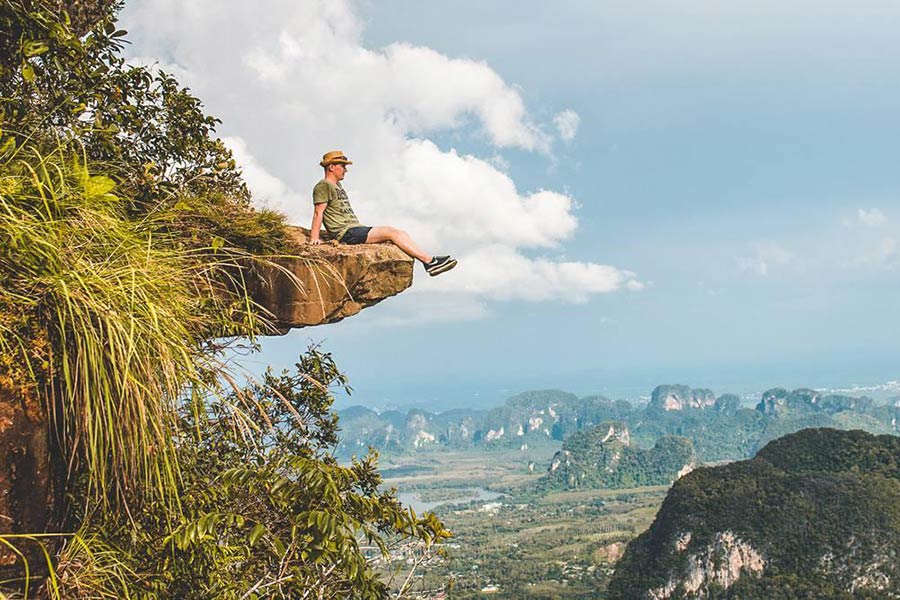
point(356, 235)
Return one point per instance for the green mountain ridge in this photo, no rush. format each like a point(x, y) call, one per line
point(813, 515)
point(719, 427)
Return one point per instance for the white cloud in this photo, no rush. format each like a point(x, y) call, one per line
point(765, 255)
point(294, 81)
point(567, 123)
point(500, 273)
point(871, 218)
point(268, 190)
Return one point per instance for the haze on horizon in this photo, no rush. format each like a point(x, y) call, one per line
point(702, 193)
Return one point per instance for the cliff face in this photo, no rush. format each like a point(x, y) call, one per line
point(814, 515)
point(680, 397)
point(29, 486)
point(328, 282)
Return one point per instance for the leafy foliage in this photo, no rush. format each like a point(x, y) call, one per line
point(140, 127)
point(267, 508)
point(115, 277)
point(119, 313)
point(144, 125)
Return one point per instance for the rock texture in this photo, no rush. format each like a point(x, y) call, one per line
point(29, 488)
point(680, 397)
point(720, 564)
point(328, 282)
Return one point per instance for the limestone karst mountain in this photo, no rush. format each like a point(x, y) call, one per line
point(603, 457)
point(680, 397)
point(720, 428)
point(813, 515)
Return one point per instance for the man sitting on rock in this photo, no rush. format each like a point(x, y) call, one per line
point(332, 206)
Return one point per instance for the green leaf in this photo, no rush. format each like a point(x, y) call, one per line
point(217, 244)
point(30, 48)
point(98, 185)
point(207, 523)
point(8, 146)
point(27, 72)
point(257, 532)
point(280, 548)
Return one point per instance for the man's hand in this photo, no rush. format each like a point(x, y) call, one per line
point(315, 242)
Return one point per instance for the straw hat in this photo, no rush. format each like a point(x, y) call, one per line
point(333, 158)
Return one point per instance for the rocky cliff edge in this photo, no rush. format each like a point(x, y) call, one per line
point(325, 283)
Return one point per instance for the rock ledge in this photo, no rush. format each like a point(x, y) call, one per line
point(335, 281)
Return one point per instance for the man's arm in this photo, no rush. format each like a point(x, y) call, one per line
point(318, 211)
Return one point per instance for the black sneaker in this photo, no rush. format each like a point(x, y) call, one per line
point(440, 264)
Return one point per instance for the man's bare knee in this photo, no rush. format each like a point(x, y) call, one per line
point(384, 233)
point(394, 234)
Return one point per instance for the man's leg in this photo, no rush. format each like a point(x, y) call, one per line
point(399, 238)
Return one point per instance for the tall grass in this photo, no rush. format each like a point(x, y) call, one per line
point(126, 310)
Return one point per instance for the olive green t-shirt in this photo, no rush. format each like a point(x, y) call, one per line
point(338, 216)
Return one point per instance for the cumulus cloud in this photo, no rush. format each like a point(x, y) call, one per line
point(567, 123)
point(268, 190)
point(765, 255)
point(499, 272)
point(294, 80)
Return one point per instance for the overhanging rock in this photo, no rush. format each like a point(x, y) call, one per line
point(328, 282)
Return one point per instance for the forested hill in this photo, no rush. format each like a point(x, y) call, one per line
point(719, 427)
point(604, 457)
point(813, 515)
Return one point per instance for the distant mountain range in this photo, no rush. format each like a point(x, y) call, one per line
point(719, 427)
point(813, 515)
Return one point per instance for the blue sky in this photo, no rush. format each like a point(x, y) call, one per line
point(733, 168)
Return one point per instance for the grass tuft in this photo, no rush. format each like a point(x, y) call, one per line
point(127, 310)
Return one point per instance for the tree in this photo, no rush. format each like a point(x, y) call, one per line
point(264, 504)
point(126, 240)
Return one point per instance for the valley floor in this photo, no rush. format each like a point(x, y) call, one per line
point(522, 544)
